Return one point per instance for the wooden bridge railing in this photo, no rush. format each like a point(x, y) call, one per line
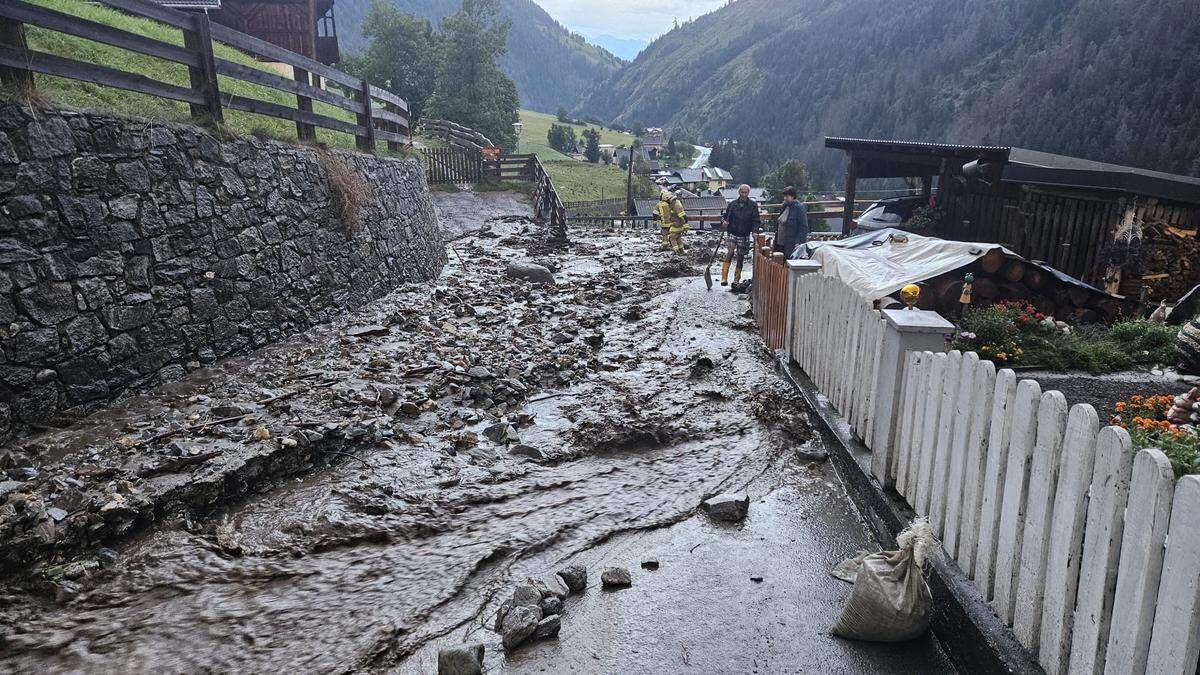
point(379, 114)
point(456, 134)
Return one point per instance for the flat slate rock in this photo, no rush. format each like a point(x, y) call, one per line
point(731, 507)
point(461, 660)
point(615, 577)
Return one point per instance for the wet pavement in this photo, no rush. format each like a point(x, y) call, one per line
point(630, 394)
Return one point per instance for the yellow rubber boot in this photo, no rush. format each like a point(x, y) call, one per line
point(725, 273)
point(666, 240)
point(737, 275)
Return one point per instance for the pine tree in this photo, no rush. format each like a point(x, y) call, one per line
point(471, 90)
point(592, 150)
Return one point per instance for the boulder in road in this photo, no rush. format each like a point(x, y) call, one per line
point(548, 627)
point(730, 506)
point(527, 271)
point(461, 660)
point(520, 624)
point(615, 577)
point(575, 577)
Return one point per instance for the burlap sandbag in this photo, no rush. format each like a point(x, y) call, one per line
point(890, 601)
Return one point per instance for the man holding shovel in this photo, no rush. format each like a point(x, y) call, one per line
point(741, 221)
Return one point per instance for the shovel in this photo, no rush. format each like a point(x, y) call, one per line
point(708, 270)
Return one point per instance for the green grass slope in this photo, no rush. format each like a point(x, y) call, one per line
point(74, 93)
point(575, 180)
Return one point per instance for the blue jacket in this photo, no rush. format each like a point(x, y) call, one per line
point(794, 230)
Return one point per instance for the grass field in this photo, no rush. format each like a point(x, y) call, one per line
point(78, 94)
point(575, 180)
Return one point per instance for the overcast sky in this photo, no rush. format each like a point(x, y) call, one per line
point(638, 19)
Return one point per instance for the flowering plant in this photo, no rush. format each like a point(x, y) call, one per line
point(1145, 417)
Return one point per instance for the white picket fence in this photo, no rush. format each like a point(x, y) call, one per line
point(1090, 552)
point(836, 337)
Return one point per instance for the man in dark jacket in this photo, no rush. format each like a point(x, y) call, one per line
point(741, 221)
point(793, 224)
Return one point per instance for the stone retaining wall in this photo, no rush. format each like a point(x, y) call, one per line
point(133, 251)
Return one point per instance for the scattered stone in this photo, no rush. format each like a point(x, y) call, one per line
point(480, 373)
point(548, 627)
point(520, 623)
point(7, 486)
point(757, 580)
point(498, 623)
point(522, 450)
point(615, 577)
point(526, 595)
point(812, 453)
point(56, 513)
point(551, 586)
point(461, 660)
point(106, 556)
point(551, 606)
point(575, 577)
point(535, 274)
point(651, 565)
point(364, 331)
point(729, 507)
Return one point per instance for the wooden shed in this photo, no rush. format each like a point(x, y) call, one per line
point(1110, 225)
point(306, 27)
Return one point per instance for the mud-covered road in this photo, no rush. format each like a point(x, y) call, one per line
point(487, 429)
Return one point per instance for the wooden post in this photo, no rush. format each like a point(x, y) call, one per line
point(12, 35)
point(851, 185)
point(204, 78)
point(366, 120)
point(926, 189)
point(393, 146)
point(305, 132)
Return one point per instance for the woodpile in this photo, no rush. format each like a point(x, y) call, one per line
point(1170, 264)
point(998, 277)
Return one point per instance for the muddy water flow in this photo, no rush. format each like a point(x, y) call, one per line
point(376, 561)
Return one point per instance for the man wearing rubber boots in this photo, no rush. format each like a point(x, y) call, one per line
point(672, 219)
point(741, 221)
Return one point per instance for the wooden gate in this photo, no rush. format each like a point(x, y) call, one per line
point(453, 165)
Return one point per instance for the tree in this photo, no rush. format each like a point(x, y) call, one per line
point(671, 147)
point(401, 57)
point(592, 150)
point(471, 90)
point(791, 173)
point(562, 138)
point(562, 115)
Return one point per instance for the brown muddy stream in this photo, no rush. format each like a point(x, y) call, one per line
point(372, 567)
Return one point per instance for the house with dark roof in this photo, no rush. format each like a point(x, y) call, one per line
point(307, 27)
point(694, 206)
point(1080, 216)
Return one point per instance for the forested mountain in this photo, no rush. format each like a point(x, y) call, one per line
point(1111, 80)
point(551, 66)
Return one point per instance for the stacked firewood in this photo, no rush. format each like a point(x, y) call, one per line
point(999, 277)
point(1170, 264)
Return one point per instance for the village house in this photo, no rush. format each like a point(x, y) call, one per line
point(307, 27)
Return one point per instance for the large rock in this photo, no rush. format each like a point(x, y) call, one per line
point(548, 627)
point(730, 507)
point(461, 660)
point(526, 594)
point(615, 577)
point(534, 274)
point(575, 577)
point(551, 586)
point(520, 623)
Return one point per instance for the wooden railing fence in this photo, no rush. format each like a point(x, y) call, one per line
point(380, 115)
point(456, 134)
point(1086, 549)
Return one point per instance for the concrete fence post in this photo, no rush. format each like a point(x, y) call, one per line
point(796, 269)
point(904, 331)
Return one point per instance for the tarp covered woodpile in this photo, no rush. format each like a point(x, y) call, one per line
point(879, 264)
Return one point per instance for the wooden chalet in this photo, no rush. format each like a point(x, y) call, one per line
point(307, 27)
point(1079, 216)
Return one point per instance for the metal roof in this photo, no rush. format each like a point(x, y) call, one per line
point(1043, 168)
point(645, 207)
point(189, 4)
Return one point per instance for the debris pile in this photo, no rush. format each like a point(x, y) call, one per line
point(533, 610)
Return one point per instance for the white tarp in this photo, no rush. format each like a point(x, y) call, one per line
point(878, 264)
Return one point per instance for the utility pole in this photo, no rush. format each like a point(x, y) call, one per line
point(629, 185)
